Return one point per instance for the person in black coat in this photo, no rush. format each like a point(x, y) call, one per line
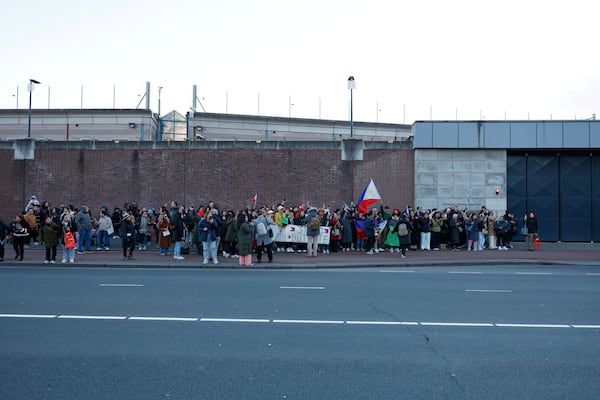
point(531, 222)
point(128, 235)
point(4, 233)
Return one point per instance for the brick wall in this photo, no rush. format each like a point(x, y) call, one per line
point(106, 173)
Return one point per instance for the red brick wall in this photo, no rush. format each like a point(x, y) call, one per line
point(114, 174)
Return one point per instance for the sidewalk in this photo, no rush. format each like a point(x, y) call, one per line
point(547, 254)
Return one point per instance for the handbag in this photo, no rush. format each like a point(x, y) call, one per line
point(185, 250)
point(537, 242)
point(166, 233)
point(69, 241)
point(524, 231)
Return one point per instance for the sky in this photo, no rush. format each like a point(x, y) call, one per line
point(411, 60)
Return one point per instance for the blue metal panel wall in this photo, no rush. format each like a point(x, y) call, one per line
point(496, 135)
point(543, 194)
point(516, 186)
point(549, 135)
point(469, 135)
point(575, 197)
point(576, 135)
point(523, 135)
point(445, 135)
point(595, 136)
point(595, 211)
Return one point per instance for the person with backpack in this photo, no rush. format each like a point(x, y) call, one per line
point(313, 229)
point(403, 228)
point(261, 234)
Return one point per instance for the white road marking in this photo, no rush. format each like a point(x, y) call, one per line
point(121, 285)
point(235, 320)
point(91, 317)
point(465, 272)
point(163, 319)
point(27, 316)
point(399, 271)
point(381, 323)
point(534, 273)
point(593, 274)
point(303, 287)
point(586, 326)
point(305, 321)
point(471, 324)
point(489, 290)
point(532, 326)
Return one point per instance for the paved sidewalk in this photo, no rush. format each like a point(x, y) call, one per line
point(548, 253)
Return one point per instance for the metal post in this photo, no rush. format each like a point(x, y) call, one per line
point(351, 86)
point(31, 83)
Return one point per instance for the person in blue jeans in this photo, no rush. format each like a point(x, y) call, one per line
point(84, 229)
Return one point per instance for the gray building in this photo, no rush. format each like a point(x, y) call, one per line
point(549, 167)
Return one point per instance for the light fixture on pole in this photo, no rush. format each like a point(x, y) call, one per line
point(31, 83)
point(351, 86)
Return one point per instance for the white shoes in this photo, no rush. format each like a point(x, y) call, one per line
point(215, 262)
point(179, 258)
point(370, 252)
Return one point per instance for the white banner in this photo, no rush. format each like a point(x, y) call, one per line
point(297, 234)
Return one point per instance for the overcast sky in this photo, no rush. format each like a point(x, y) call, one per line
point(412, 60)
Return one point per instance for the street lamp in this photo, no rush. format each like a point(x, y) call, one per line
point(31, 83)
point(351, 86)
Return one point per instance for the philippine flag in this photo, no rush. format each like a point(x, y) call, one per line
point(369, 196)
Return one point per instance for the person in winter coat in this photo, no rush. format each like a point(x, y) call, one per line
point(4, 233)
point(50, 235)
point(208, 229)
point(231, 226)
point(263, 240)
point(68, 226)
point(164, 233)
point(312, 234)
point(404, 234)
point(127, 235)
point(84, 228)
point(105, 226)
point(346, 231)
point(455, 226)
point(501, 228)
point(20, 233)
point(473, 227)
point(531, 222)
point(244, 240)
point(392, 240)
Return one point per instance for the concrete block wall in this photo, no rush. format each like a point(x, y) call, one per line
point(468, 178)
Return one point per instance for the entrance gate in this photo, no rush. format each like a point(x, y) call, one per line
point(563, 189)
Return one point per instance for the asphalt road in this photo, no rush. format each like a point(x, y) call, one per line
point(425, 333)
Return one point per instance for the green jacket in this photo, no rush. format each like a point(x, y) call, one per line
point(51, 234)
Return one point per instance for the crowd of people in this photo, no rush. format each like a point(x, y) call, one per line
point(175, 229)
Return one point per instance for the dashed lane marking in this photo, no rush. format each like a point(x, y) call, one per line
point(121, 285)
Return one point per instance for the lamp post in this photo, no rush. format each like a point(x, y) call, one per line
point(351, 86)
point(31, 83)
